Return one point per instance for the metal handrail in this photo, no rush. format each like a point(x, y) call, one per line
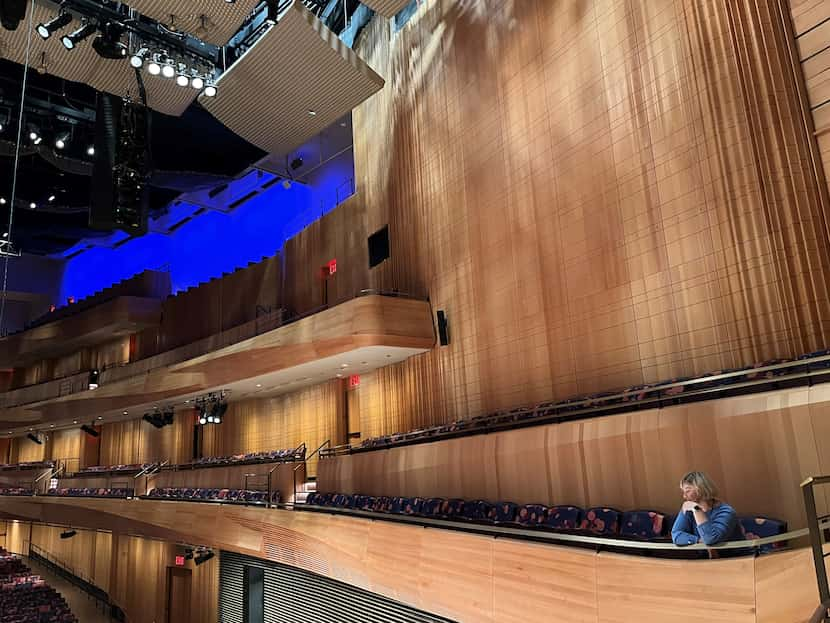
point(816, 529)
point(562, 411)
point(821, 613)
point(561, 537)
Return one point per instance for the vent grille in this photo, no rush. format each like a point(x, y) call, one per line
point(293, 595)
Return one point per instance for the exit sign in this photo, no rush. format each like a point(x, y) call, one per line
point(332, 266)
point(180, 561)
point(354, 380)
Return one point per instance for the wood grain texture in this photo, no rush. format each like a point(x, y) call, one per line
point(599, 194)
point(758, 449)
point(462, 576)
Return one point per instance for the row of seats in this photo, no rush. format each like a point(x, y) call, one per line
point(670, 389)
point(236, 496)
point(16, 491)
point(28, 465)
point(134, 467)
point(646, 525)
point(148, 283)
point(26, 598)
point(250, 457)
point(89, 492)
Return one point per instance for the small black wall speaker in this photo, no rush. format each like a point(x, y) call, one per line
point(443, 328)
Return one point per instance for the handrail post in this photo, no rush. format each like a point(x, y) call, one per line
point(815, 539)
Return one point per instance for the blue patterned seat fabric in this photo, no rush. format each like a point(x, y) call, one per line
point(563, 517)
point(601, 520)
point(531, 515)
point(505, 512)
point(643, 525)
point(762, 527)
point(452, 508)
point(477, 510)
point(432, 507)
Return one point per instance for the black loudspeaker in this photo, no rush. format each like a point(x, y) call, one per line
point(120, 193)
point(379, 246)
point(253, 610)
point(443, 328)
point(12, 13)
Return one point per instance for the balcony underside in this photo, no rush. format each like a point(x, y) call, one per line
point(357, 336)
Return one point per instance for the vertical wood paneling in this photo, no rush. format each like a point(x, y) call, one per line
point(757, 448)
point(598, 194)
point(136, 441)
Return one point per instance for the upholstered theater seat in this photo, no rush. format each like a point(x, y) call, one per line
point(762, 527)
point(643, 524)
point(478, 510)
point(531, 515)
point(505, 512)
point(563, 517)
point(601, 521)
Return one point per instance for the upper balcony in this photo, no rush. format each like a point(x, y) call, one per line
point(260, 358)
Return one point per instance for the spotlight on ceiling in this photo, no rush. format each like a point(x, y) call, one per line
point(202, 419)
point(2, 201)
point(68, 534)
point(61, 140)
point(74, 38)
point(32, 205)
point(38, 140)
point(182, 80)
point(90, 151)
point(197, 82)
point(137, 59)
point(53, 25)
point(33, 135)
point(154, 68)
point(167, 69)
point(297, 163)
point(51, 198)
point(89, 430)
point(34, 438)
point(204, 557)
point(210, 90)
point(108, 43)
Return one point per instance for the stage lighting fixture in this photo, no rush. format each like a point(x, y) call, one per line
point(168, 417)
point(74, 38)
point(210, 90)
point(297, 163)
point(32, 205)
point(154, 68)
point(168, 70)
point(2, 201)
point(35, 439)
point(210, 419)
point(202, 418)
point(137, 59)
point(93, 379)
point(182, 80)
point(38, 140)
point(197, 82)
point(90, 151)
point(68, 534)
point(33, 135)
point(53, 25)
point(108, 44)
point(89, 430)
point(203, 557)
point(61, 140)
point(51, 198)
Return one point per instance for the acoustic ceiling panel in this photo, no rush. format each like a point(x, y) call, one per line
point(387, 8)
point(212, 21)
point(298, 79)
point(84, 65)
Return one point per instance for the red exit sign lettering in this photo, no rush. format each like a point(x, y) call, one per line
point(354, 380)
point(180, 561)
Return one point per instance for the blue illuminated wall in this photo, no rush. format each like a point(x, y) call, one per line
point(205, 247)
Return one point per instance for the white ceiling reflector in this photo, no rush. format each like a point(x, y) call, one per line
point(297, 66)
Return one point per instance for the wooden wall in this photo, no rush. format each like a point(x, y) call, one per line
point(757, 448)
point(132, 570)
point(17, 537)
point(599, 194)
point(214, 306)
point(109, 354)
point(137, 441)
point(311, 415)
point(88, 554)
point(811, 29)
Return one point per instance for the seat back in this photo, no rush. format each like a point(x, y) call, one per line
point(643, 524)
point(531, 515)
point(563, 517)
point(601, 520)
point(762, 527)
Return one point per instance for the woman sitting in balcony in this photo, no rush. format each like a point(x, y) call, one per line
point(704, 518)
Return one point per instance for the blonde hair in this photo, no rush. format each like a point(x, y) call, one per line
point(707, 489)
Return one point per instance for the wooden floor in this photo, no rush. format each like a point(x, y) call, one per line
point(83, 607)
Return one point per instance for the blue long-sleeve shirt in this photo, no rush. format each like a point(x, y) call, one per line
point(722, 526)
